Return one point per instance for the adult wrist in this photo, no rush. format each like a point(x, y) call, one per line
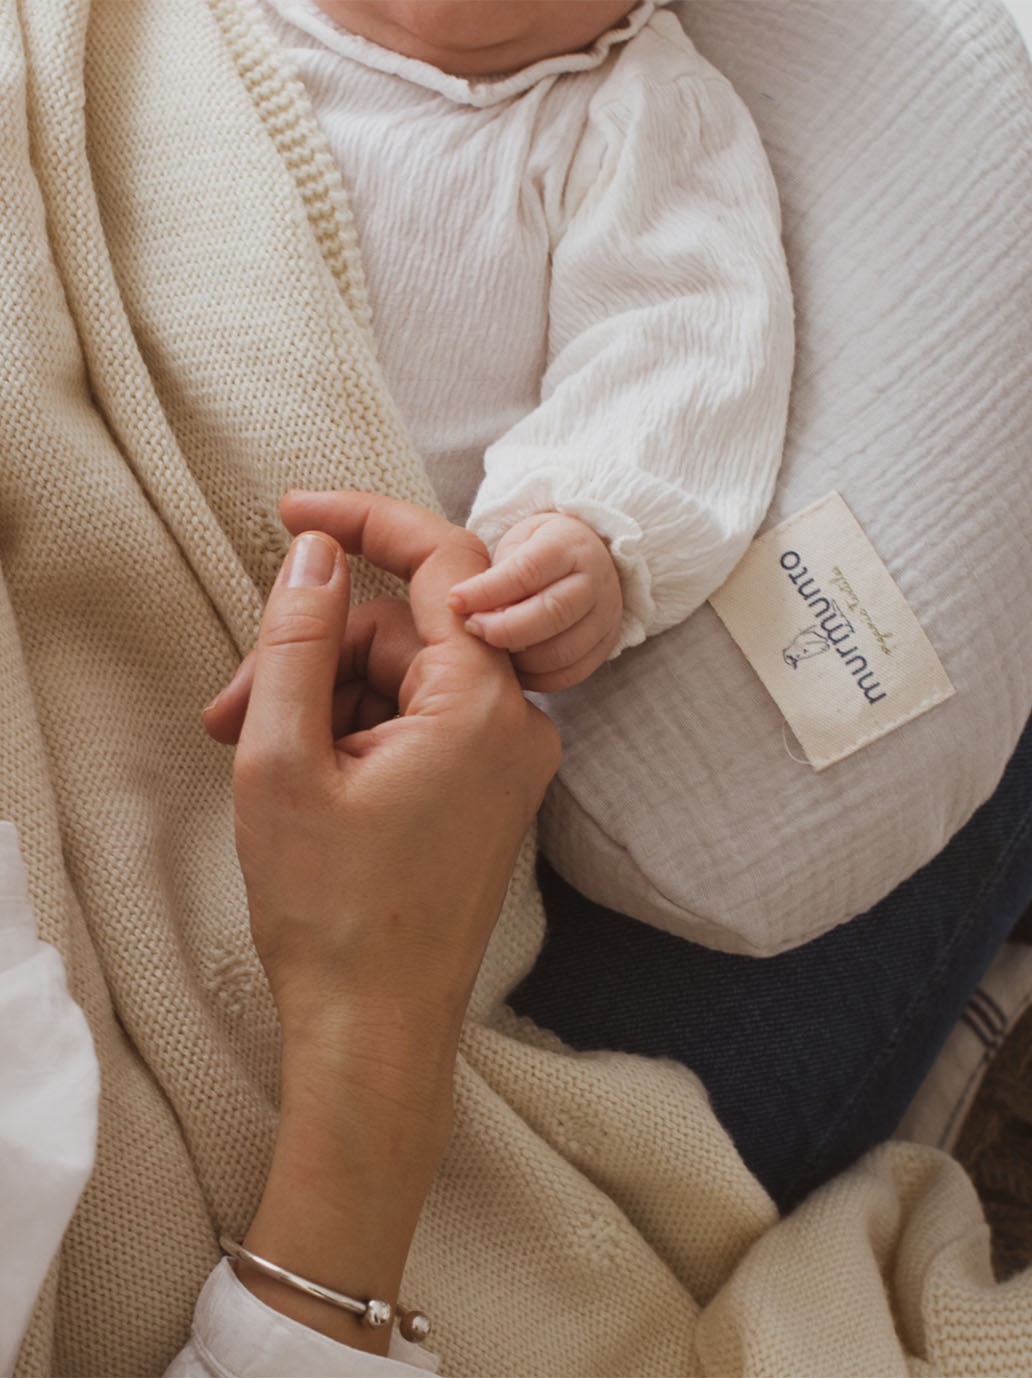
point(350, 1171)
point(385, 1050)
point(398, 1078)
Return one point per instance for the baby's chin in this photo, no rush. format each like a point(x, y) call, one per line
point(478, 37)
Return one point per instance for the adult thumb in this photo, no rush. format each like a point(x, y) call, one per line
point(289, 720)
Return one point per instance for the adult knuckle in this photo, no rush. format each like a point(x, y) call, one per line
point(293, 627)
point(263, 766)
point(250, 771)
point(465, 542)
point(258, 765)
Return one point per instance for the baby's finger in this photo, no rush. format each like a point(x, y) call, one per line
point(553, 610)
point(565, 677)
point(530, 568)
point(569, 647)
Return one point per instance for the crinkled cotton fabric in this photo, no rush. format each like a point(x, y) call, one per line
point(578, 290)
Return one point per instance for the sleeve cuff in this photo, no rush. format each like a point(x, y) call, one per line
point(671, 547)
point(237, 1336)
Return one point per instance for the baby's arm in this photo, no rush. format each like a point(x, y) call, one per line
point(663, 407)
point(552, 598)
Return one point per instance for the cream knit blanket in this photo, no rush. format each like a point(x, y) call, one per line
point(184, 336)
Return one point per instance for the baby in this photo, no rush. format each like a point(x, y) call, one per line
point(571, 239)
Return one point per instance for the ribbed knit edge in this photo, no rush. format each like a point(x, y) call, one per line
point(284, 108)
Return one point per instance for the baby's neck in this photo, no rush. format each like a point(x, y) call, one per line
point(478, 37)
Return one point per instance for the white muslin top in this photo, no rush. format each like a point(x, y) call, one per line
point(579, 294)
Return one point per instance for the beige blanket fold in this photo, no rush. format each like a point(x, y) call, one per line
point(184, 336)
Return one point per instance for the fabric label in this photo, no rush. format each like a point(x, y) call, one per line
point(821, 621)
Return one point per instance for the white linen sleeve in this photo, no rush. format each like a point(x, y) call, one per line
point(49, 1086)
point(237, 1336)
point(663, 407)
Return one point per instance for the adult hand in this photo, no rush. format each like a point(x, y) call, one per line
point(376, 851)
point(376, 859)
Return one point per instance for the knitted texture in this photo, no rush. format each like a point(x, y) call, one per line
point(185, 337)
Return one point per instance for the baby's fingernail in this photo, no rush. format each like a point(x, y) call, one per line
point(209, 706)
point(456, 602)
point(472, 625)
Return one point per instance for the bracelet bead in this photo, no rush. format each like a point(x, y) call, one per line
point(377, 1313)
point(413, 1325)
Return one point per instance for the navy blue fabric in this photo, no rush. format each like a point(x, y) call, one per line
point(811, 1057)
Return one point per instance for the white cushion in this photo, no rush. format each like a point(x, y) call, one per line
point(899, 134)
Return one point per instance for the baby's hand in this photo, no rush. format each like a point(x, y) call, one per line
point(552, 599)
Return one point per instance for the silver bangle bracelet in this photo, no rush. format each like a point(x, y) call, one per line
point(413, 1325)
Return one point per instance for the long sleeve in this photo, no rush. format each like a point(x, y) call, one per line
point(663, 407)
point(48, 1103)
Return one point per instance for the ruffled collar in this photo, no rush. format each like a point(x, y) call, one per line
point(479, 91)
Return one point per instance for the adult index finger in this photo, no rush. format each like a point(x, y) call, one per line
point(419, 546)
